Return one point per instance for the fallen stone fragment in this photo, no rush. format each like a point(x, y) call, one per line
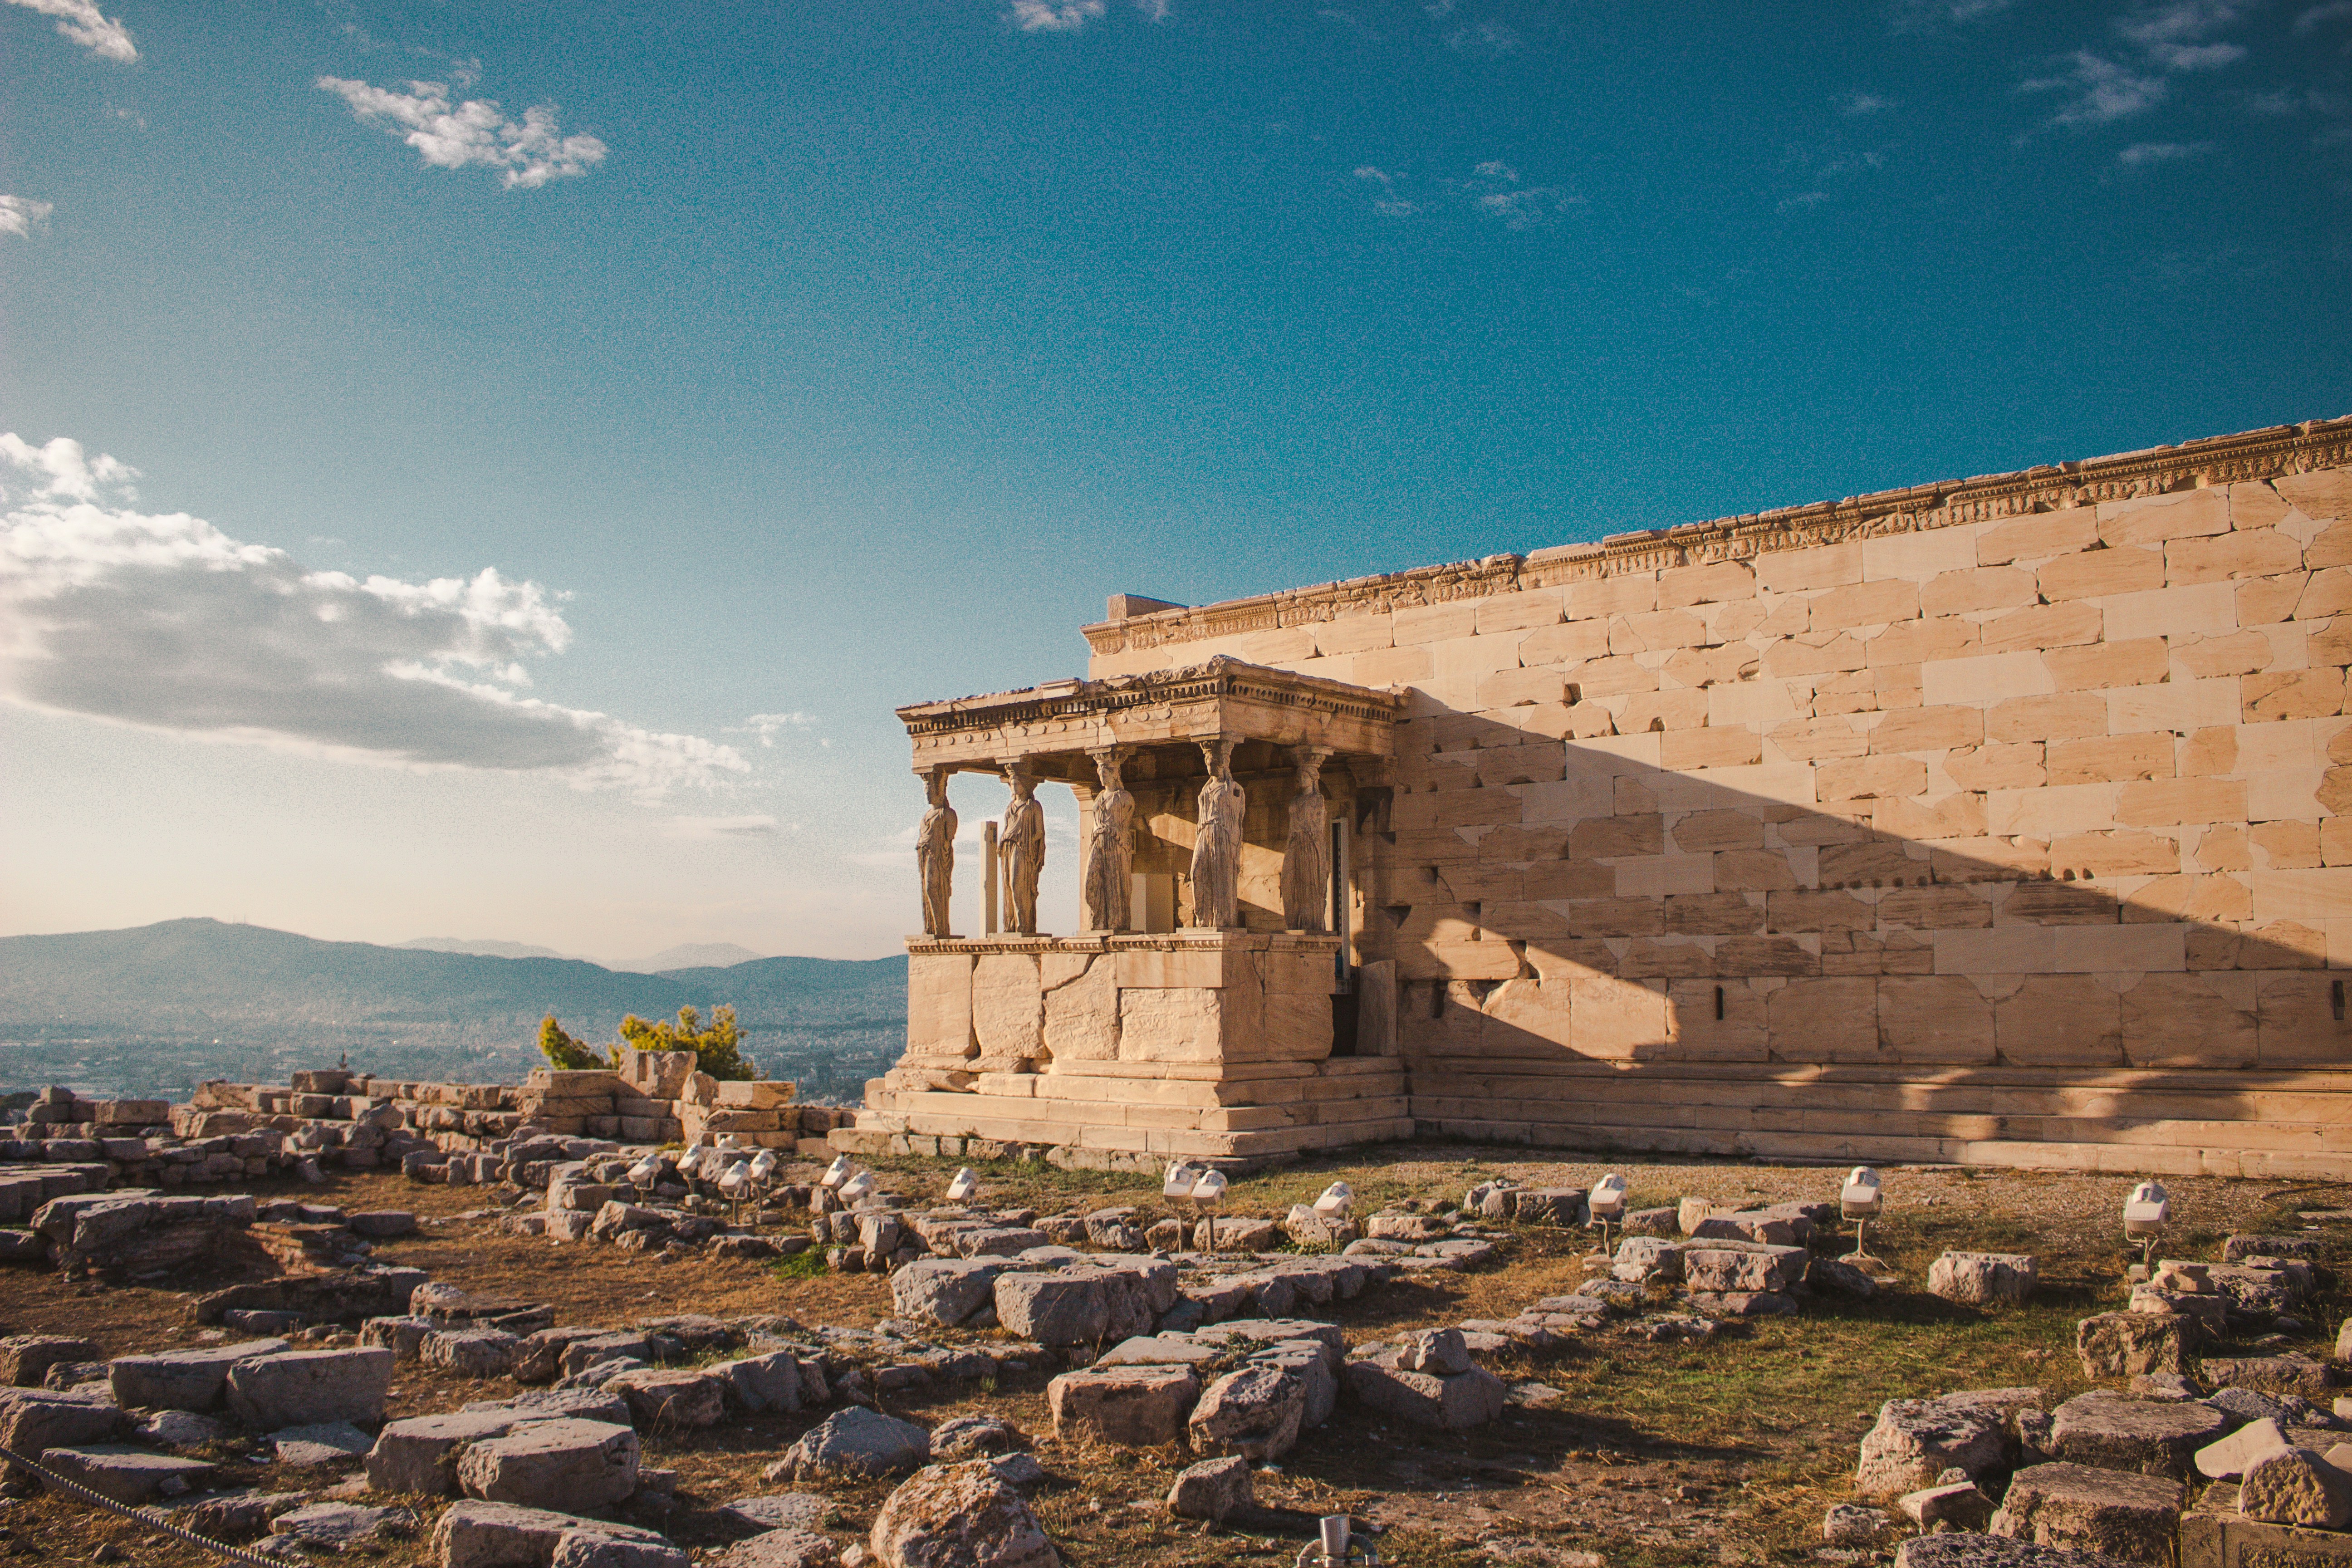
point(1139, 1406)
point(1212, 1490)
point(1917, 1440)
point(786, 1510)
point(178, 1429)
point(419, 1455)
point(232, 1516)
point(1256, 1412)
point(183, 1379)
point(2127, 1344)
point(665, 1400)
point(591, 1548)
point(946, 1291)
point(546, 1403)
point(475, 1534)
point(2155, 1438)
point(1852, 1524)
point(339, 1526)
point(1960, 1548)
point(854, 1441)
point(2229, 1458)
point(2296, 1486)
point(471, 1353)
point(304, 1388)
point(2295, 1374)
point(127, 1474)
point(382, 1225)
point(1726, 1271)
point(580, 1463)
point(2086, 1508)
point(1983, 1278)
point(788, 1548)
point(960, 1516)
point(761, 1382)
point(323, 1445)
point(1440, 1353)
point(1958, 1506)
point(26, 1358)
point(1449, 1404)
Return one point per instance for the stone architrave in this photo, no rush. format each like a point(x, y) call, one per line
point(935, 855)
point(1217, 842)
point(1022, 842)
point(1110, 856)
point(1306, 856)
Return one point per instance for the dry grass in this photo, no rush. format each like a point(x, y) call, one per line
point(1719, 1453)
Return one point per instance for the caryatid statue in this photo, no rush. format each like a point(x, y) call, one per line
point(1306, 856)
point(935, 854)
point(1217, 842)
point(1110, 856)
point(1021, 843)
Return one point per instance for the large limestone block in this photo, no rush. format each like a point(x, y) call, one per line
point(1961, 1549)
point(26, 1358)
point(1452, 1404)
point(960, 1516)
point(1007, 1010)
point(2153, 1438)
point(310, 1388)
point(1081, 1006)
point(1915, 1441)
point(476, 1534)
point(2086, 1508)
point(32, 1420)
point(1256, 1412)
point(576, 1464)
point(671, 1398)
point(855, 1441)
point(1137, 1405)
point(943, 1290)
point(938, 1007)
point(127, 1474)
point(181, 1380)
point(1180, 1024)
point(2130, 1345)
point(419, 1455)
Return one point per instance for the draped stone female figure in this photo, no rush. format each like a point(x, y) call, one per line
point(935, 855)
point(1022, 842)
point(1306, 856)
point(1110, 855)
point(1217, 845)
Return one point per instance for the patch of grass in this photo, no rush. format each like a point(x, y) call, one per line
point(806, 1263)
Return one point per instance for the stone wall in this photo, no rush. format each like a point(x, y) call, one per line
point(1993, 820)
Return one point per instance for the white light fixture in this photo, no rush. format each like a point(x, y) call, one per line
point(2145, 1214)
point(763, 1165)
point(1861, 1200)
point(644, 1173)
point(1208, 1192)
point(964, 1187)
point(837, 1172)
point(1338, 1199)
point(1178, 1182)
point(689, 1162)
point(1605, 1203)
point(858, 1188)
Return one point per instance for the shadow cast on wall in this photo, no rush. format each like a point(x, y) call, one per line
point(1596, 951)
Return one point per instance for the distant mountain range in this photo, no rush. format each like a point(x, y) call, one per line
point(188, 999)
point(689, 955)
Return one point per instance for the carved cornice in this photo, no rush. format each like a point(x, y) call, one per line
point(1209, 682)
point(2218, 461)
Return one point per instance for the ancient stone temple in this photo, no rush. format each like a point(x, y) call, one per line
point(1990, 820)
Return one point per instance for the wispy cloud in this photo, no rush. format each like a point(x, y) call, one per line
point(2319, 15)
point(1860, 103)
point(1495, 190)
point(2101, 89)
point(1486, 40)
point(81, 21)
point(2160, 151)
point(2176, 36)
point(527, 152)
point(1803, 199)
point(1155, 10)
point(164, 622)
point(768, 726)
point(1927, 15)
point(1054, 15)
point(20, 215)
point(716, 827)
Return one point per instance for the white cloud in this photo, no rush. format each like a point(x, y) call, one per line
point(1054, 15)
point(1494, 189)
point(1495, 169)
point(2159, 151)
point(768, 726)
point(2103, 90)
point(1155, 10)
point(715, 828)
point(527, 153)
point(166, 623)
point(1859, 103)
point(1396, 209)
point(1377, 176)
point(81, 21)
point(2174, 36)
point(20, 215)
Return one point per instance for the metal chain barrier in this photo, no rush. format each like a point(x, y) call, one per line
point(153, 1520)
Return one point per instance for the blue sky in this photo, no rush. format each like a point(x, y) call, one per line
point(787, 363)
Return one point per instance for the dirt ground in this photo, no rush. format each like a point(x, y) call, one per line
point(1724, 1452)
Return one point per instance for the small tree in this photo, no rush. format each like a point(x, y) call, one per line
point(717, 1049)
point(563, 1051)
